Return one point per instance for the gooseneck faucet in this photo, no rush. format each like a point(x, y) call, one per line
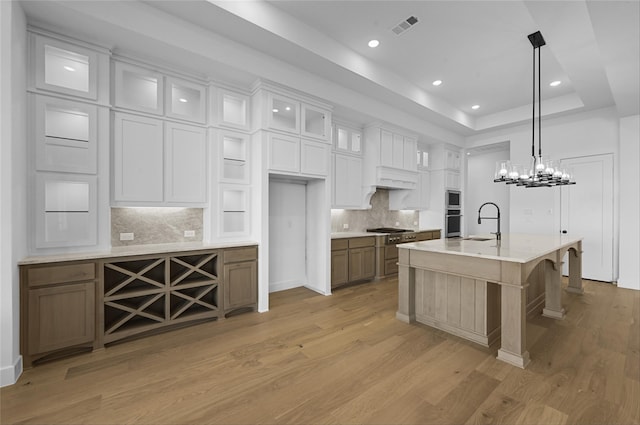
point(498, 234)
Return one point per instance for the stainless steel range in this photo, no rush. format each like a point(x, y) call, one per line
point(395, 236)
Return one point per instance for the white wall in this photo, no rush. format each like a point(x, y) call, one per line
point(13, 181)
point(629, 203)
point(480, 188)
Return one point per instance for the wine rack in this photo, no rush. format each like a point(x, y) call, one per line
point(146, 293)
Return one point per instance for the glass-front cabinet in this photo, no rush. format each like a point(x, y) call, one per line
point(138, 88)
point(316, 123)
point(346, 139)
point(65, 68)
point(283, 113)
point(233, 149)
point(234, 220)
point(185, 100)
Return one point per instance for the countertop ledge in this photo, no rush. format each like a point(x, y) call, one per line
point(127, 251)
point(341, 235)
point(514, 247)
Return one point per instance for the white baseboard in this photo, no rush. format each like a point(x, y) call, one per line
point(283, 286)
point(9, 374)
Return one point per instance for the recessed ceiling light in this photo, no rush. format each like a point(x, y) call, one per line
point(275, 109)
point(68, 68)
point(468, 153)
point(288, 108)
point(437, 82)
point(374, 43)
point(555, 83)
point(183, 100)
point(475, 106)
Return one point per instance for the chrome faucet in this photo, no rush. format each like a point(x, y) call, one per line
point(498, 234)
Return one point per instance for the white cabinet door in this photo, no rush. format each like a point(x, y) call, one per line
point(185, 100)
point(410, 150)
point(232, 108)
point(138, 88)
point(398, 151)
point(138, 158)
point(347, 181)
point(66, 135)
point(185, 163)
point(284, 153)
point(233, 149)
point(314, 158)
point(452, 180)
point(66, 210)
point(316, 122)
point(386, 148)
point(283, 114)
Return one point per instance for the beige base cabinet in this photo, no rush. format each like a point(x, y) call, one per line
point(352, 260)
point(241, 279)
point(339, 262)
point(57, 309)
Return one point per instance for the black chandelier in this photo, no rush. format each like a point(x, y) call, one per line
point(542, 172)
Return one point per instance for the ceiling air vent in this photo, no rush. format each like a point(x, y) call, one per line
point(405, 25)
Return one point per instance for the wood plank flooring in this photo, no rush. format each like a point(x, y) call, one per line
point(345, 359)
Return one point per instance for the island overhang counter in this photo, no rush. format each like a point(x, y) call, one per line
point(482, 289)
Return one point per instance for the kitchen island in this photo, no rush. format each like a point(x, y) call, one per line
point(482, 289)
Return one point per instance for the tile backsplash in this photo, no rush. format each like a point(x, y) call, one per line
point(378, 216)
point(151, 225)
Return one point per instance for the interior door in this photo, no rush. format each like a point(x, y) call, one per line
point(586, 209)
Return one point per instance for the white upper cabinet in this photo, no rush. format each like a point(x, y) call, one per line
point(422, 157)
point(347, 140)
point(185, 100)
point(185, 155)
point(68, 68)
point(65, 68)
point(284, 153)
point(283, 113)
point(316, 122)
point(66, 135)
point(138, 159)
point(314, 158)
point(347, 181)
point(231, 108)
point(66, 210)
point(234, 155)
point(445, 157)
point(138, 88)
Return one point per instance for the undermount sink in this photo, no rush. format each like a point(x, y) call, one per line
point(477, 239)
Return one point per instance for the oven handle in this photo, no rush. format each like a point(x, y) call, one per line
point(453, 215)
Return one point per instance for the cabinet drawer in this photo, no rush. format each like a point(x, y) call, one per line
point(339, 244)
point(390, 252)
point(362, 242)
point(391, 266)
point(240, 254)
point(38, 276)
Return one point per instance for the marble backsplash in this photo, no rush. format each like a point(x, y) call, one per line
point(151, 225)
point(378, 216)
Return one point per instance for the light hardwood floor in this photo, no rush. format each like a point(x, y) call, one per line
point(345, 359)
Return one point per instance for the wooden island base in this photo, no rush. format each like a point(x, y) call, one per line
point(485, 296)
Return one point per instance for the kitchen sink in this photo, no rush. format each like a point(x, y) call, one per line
point(477, 239)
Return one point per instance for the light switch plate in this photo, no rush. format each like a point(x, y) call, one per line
point(345, 226)
point(126, 236)
point(189, 233)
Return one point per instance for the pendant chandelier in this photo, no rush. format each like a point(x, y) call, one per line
point(542, 172)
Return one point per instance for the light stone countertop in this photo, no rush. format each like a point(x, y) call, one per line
point(342, 235)
point(514, 247)
point(131, 250)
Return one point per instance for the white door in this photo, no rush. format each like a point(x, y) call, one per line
point(287, 235)
point(586, 209)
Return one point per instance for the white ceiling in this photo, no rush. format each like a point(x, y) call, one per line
point(479, 50)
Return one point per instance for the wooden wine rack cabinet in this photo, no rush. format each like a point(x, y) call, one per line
point(149, 292)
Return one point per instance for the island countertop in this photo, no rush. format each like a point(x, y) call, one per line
point(514, 247)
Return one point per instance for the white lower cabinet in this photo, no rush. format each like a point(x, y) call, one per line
point(156, 167)
point(293, 155)
point(347, 181)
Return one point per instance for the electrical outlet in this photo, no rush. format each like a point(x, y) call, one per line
point(397, 223)
point(415, 223)
point(189, 233)
point(345, 226)
point(126, 236)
